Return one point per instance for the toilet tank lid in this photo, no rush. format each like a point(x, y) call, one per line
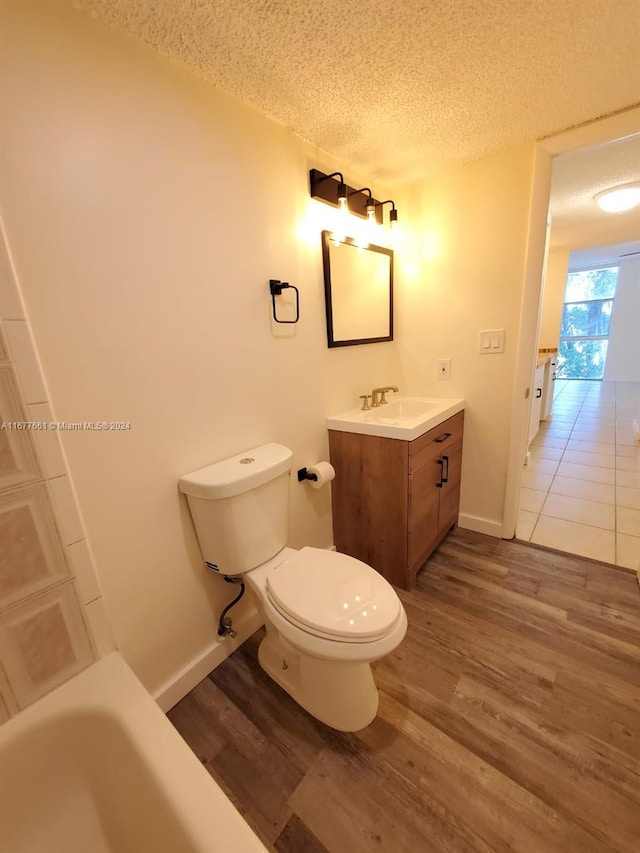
point(238, 474)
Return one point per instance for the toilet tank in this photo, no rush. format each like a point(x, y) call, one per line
point(240, 508)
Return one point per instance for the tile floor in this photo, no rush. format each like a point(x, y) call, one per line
point(581, 488)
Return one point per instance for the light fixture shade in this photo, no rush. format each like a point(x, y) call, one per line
point(619, 199)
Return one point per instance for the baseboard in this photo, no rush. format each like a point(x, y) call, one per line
point(480, 525)
point(176, 687)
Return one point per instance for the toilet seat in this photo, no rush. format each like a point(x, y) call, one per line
point(333, 596)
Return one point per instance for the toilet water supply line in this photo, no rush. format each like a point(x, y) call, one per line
point(224, 625)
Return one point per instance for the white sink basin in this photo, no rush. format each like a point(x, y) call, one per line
point(405, 418)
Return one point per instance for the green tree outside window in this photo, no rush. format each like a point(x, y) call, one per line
point(586, 319)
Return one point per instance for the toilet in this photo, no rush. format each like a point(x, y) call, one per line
point(327, 616)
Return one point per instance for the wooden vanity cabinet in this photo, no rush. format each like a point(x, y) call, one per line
point(394, 500)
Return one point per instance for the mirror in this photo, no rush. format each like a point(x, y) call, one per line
point(358, 289)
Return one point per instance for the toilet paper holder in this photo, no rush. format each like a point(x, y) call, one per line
point(304, 474)
point(319, 475)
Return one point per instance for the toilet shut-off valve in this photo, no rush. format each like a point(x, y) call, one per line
point(225, 625)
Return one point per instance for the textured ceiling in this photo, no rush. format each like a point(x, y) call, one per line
point(576, 219)
point(397, 89)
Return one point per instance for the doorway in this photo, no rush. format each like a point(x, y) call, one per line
point(592, 414)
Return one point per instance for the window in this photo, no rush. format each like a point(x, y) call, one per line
point(584, 334)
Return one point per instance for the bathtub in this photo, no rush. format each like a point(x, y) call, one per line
point(95, 767)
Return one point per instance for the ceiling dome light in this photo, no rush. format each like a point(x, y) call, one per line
point(619, 199)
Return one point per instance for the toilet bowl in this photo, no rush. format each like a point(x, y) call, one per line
point(311, 650)
point(327, 616)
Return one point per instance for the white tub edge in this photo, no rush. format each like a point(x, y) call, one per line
point(110, 687)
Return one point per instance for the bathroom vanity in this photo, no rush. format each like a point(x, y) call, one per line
point(395, 498)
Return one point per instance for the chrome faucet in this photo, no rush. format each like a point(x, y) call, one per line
point(378, 395)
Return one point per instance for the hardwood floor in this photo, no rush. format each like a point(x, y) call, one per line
point(509, 719)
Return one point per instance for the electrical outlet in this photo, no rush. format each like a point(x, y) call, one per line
point(444, 368)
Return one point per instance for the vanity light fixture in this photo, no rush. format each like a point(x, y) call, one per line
point(367, 234)
point(342, 193)
point(327, 188)
point(370, 203)
point(333, 190)
point(393, 213)
point(619, 199)
point(371, 228)
point(340, 231)
point(371, 211)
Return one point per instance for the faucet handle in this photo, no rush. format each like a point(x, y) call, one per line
point(383, 398)
point(365, 402)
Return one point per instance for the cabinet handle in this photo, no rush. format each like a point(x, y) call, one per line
point(538, 393)
point(442, 481)
point(443, 437)
point(445, 477)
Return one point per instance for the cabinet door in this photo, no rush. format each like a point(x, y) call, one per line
point(369, 496)
point(424, 501)
point(450, 492)
point(433, 503)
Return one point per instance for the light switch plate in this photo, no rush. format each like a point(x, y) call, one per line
point(491, 341)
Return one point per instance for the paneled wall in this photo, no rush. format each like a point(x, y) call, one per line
point(52, 618)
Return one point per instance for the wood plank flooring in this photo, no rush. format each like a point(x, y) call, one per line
point(509, 720)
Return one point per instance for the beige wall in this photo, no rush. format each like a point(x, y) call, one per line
point(146, 213)
point(623, 355)
point(553, 297)
point(464, 270)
